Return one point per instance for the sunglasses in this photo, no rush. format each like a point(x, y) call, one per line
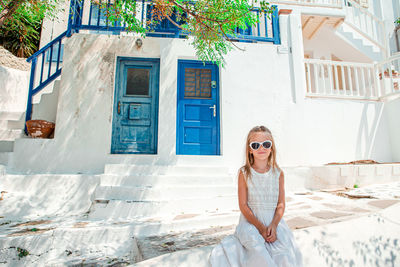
point(256, 145)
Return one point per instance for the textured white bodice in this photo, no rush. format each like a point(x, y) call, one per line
point(263, 190)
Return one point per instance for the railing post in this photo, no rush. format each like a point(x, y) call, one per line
point(28, 113)
point(275, 26)
point(71, 17)
point(78, 15)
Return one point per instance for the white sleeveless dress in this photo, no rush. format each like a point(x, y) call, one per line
point(246, 247)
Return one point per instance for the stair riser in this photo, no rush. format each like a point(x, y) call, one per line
point(12, 116)
point(184, 225)
point(6, 146)
point(10, 135)
point(162, 194)
point(16, 124)
point(163, 180)
point(126, 170)
point(122, 210)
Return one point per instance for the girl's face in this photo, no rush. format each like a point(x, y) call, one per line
point(261, 153)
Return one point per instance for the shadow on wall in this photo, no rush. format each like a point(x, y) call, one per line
point(368, 137)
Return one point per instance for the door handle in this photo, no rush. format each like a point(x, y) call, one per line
point(119, 107)
point(215, 110)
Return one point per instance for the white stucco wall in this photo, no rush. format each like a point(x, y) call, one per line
point(392, 116)
point(53, 27)
point(256, 87)
point(13, 89)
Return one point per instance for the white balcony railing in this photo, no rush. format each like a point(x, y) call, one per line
point(316, 3)
point(325, 78)
point(388, 75)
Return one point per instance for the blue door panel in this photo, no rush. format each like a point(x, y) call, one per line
point(135, 116)
point(197, 112)
point(198, 108)
point(198, 135)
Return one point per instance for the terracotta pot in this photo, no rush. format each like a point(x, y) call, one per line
point(40, 128)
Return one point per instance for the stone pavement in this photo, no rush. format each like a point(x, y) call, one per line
point(329, 227)
point(358, 227)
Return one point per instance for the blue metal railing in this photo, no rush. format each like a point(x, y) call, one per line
point(266, 30)
point(49, 58)
point(47, 61)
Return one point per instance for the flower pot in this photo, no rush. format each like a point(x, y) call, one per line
point(40, 128)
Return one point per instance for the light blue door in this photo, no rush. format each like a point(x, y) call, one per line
point(135, 113)
point(198, 108)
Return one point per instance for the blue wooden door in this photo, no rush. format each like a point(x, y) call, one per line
point(198, 108)
point(135, 113)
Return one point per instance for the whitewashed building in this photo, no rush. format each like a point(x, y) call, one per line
point(316, 75)
point(143, 129)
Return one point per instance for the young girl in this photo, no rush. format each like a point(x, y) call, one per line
point(262, 238)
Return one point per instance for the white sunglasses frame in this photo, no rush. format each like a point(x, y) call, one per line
point(261, 144)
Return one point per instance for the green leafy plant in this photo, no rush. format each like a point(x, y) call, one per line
point(22, 253)
point(398, 21)
point(20, 32)
point(355, 186)
point(211, 24)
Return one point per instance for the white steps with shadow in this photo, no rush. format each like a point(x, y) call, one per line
point(359, 42)
point(11, 127)
point(171, 198)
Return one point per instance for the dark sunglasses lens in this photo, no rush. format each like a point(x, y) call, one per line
point(255, 146)
point(267, 144)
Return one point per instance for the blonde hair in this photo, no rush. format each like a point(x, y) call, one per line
point(249, 156)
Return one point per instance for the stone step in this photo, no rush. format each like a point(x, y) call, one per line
point(126, 169)
point(127, 210)
point(5, 157)
point(12, 115)
point(162, 193)
point(2, 167)
point(166, 180)
point(184, 222)
point(6, 146)
point(11, 134)
point(20, 124)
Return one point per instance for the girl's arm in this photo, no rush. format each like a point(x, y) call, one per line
point(280, 209)
point(244, 208)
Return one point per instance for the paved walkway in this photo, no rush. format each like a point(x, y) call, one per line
point(359, 227)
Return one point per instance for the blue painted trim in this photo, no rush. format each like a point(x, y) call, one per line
point(28, 113)
point(173, 32)
point(70, 18)
point(46, 82)
point(42, 68)
point(62, 35)
point(51, 56)
point(60, 47)
point(275, 26)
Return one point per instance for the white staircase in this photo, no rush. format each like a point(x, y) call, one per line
point(364, 30)
point(11, 128)
point(166, 198)
point(45, 103)
point(360, 43)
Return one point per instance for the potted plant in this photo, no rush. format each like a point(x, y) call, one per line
point(40, 128)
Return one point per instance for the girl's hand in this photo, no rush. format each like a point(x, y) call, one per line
point(264, 233)
point(271, 233)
